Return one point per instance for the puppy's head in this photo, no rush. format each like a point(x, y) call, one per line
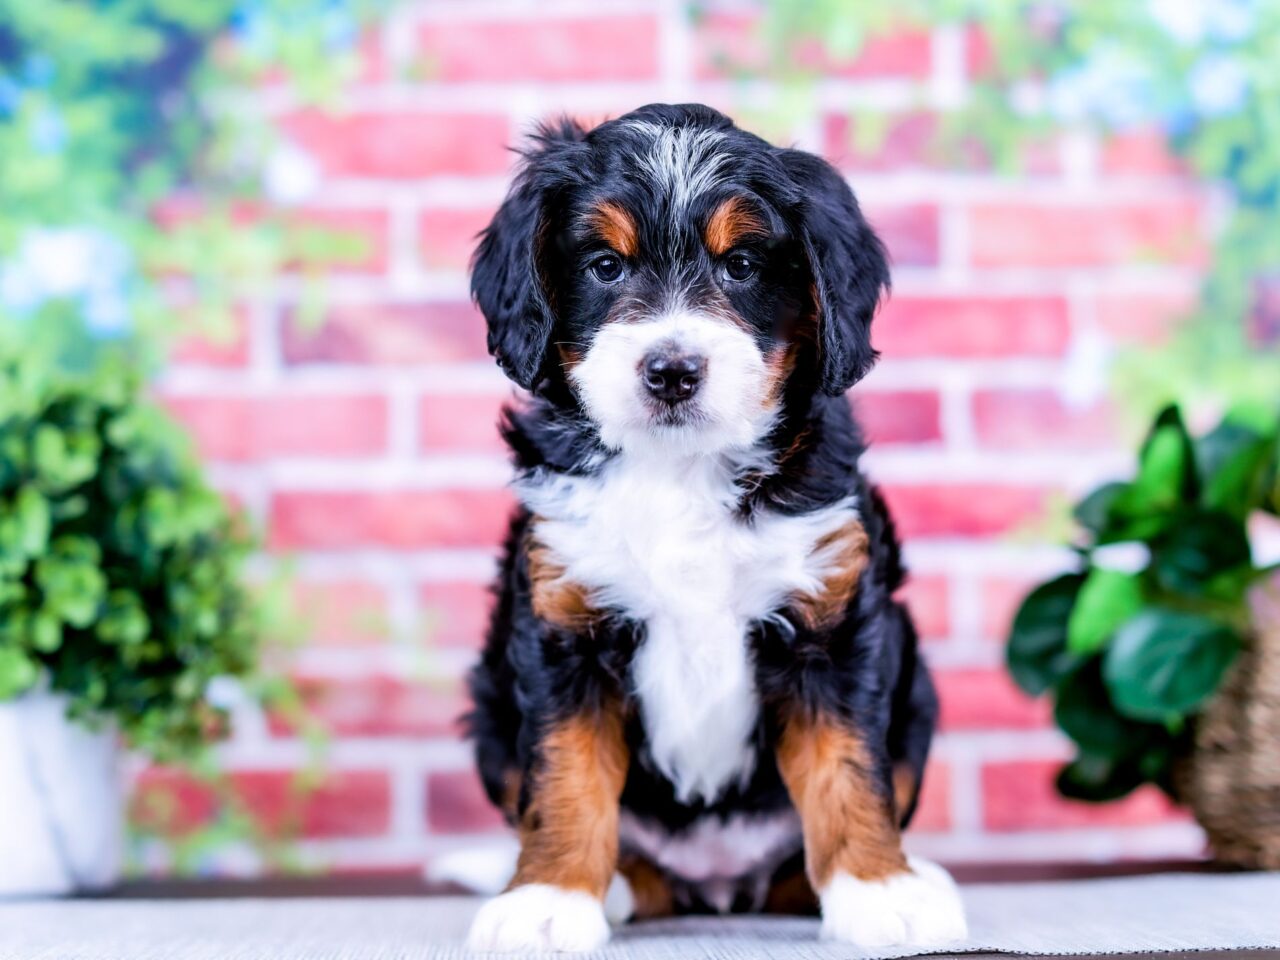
point(679, 276)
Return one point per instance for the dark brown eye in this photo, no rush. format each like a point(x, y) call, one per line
point(739, 268)
point(607, 269)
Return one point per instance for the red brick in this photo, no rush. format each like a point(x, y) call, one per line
point(1144, 318)
point(1110, 234)
point(909, 232)
point(401, 334)
point(933, 814)
point(354, 803)
point(396, 519)
point(899, 416)
point(457, 803)
point(972, 327)
point(928, 597)
point(377, 706)
point(448, 237)
point(1020, 795)
point(541, 50)
point(457, 613)
point(904, 141)
point(1143, 153)
point(461, 422)
point(729, 44)
point(920, 140)
point(987, 700)
point(403, 145)
point(240, 428)
point(342, 612)
point(1001, 598)
point(979, 55)
point(962, 509)
point(226, 345)
point(1038, 419)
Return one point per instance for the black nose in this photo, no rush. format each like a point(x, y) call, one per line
point(673, 376)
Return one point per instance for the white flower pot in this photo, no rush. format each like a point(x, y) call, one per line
point(61, 804)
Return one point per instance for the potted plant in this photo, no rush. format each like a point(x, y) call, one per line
point(1159, 651)
point(121, 601)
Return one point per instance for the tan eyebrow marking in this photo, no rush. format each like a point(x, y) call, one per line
point(615, 226)
point(731, 223)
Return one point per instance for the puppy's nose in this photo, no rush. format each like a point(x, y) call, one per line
point(671, 375)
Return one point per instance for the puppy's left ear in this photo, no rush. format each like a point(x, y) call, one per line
point(509, 268)
point(849, 268)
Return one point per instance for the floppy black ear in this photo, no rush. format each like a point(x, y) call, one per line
point(849, 267)
point(507, 272)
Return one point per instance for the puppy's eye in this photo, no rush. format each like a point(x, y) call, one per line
point(739, 268)
point(607, 269)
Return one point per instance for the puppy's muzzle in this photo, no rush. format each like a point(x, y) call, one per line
point(672, 375)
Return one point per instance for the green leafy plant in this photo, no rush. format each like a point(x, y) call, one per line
point(121, 571)
point(1131, 652)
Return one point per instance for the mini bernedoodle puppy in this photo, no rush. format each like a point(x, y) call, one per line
point(698, 692)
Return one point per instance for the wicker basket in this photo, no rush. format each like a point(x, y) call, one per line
point(1231, 782)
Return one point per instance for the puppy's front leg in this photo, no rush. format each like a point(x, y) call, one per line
point(568, 842)
point(871, 894)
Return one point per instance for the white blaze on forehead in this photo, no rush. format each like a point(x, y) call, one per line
point(683, 162)
point(727, 412)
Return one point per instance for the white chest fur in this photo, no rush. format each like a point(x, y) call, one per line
point(659, 540)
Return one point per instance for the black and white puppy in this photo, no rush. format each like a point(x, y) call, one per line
point(698, 691)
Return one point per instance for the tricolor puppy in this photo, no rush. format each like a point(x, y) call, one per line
point(698, 691)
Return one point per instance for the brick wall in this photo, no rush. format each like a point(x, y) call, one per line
point(365, 443)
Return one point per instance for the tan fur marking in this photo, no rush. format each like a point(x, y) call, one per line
point(555, 599)
point(779, 365)
point(731, 223)
point(848, 824)
point(905, 787)
point(846, 550)
point(569, 833)
point(792, 894)
point(616, 227)
point(511, 781)
point(649, 888)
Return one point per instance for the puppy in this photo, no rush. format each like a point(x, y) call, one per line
point(698, 692)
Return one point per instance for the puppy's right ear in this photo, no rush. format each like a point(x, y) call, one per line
point(508, 270)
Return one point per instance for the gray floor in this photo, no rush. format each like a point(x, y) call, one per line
point(1120, 916)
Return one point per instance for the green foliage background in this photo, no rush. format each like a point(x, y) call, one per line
point(1109, 67)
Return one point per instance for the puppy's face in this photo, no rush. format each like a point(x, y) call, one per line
point(674, 278)
point(681, 296)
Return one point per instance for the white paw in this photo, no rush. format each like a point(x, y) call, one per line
point(919, 908)
point(538, 917)
point(619, 901)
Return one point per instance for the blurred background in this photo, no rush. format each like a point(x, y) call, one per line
point(268, 210)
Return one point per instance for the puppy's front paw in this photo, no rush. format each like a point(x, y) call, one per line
point(537, 917)
point(919, 908)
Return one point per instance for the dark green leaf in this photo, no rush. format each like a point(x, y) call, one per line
point(1085, 713)
point(1167, 663)
point(1198, 547)
point(1237, 466)
point(1094, 512)
point(1037, 651)
point(1097, 779)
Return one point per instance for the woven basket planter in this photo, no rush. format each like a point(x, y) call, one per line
point(1231, 781)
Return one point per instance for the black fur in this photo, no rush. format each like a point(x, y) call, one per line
point(865, 670)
